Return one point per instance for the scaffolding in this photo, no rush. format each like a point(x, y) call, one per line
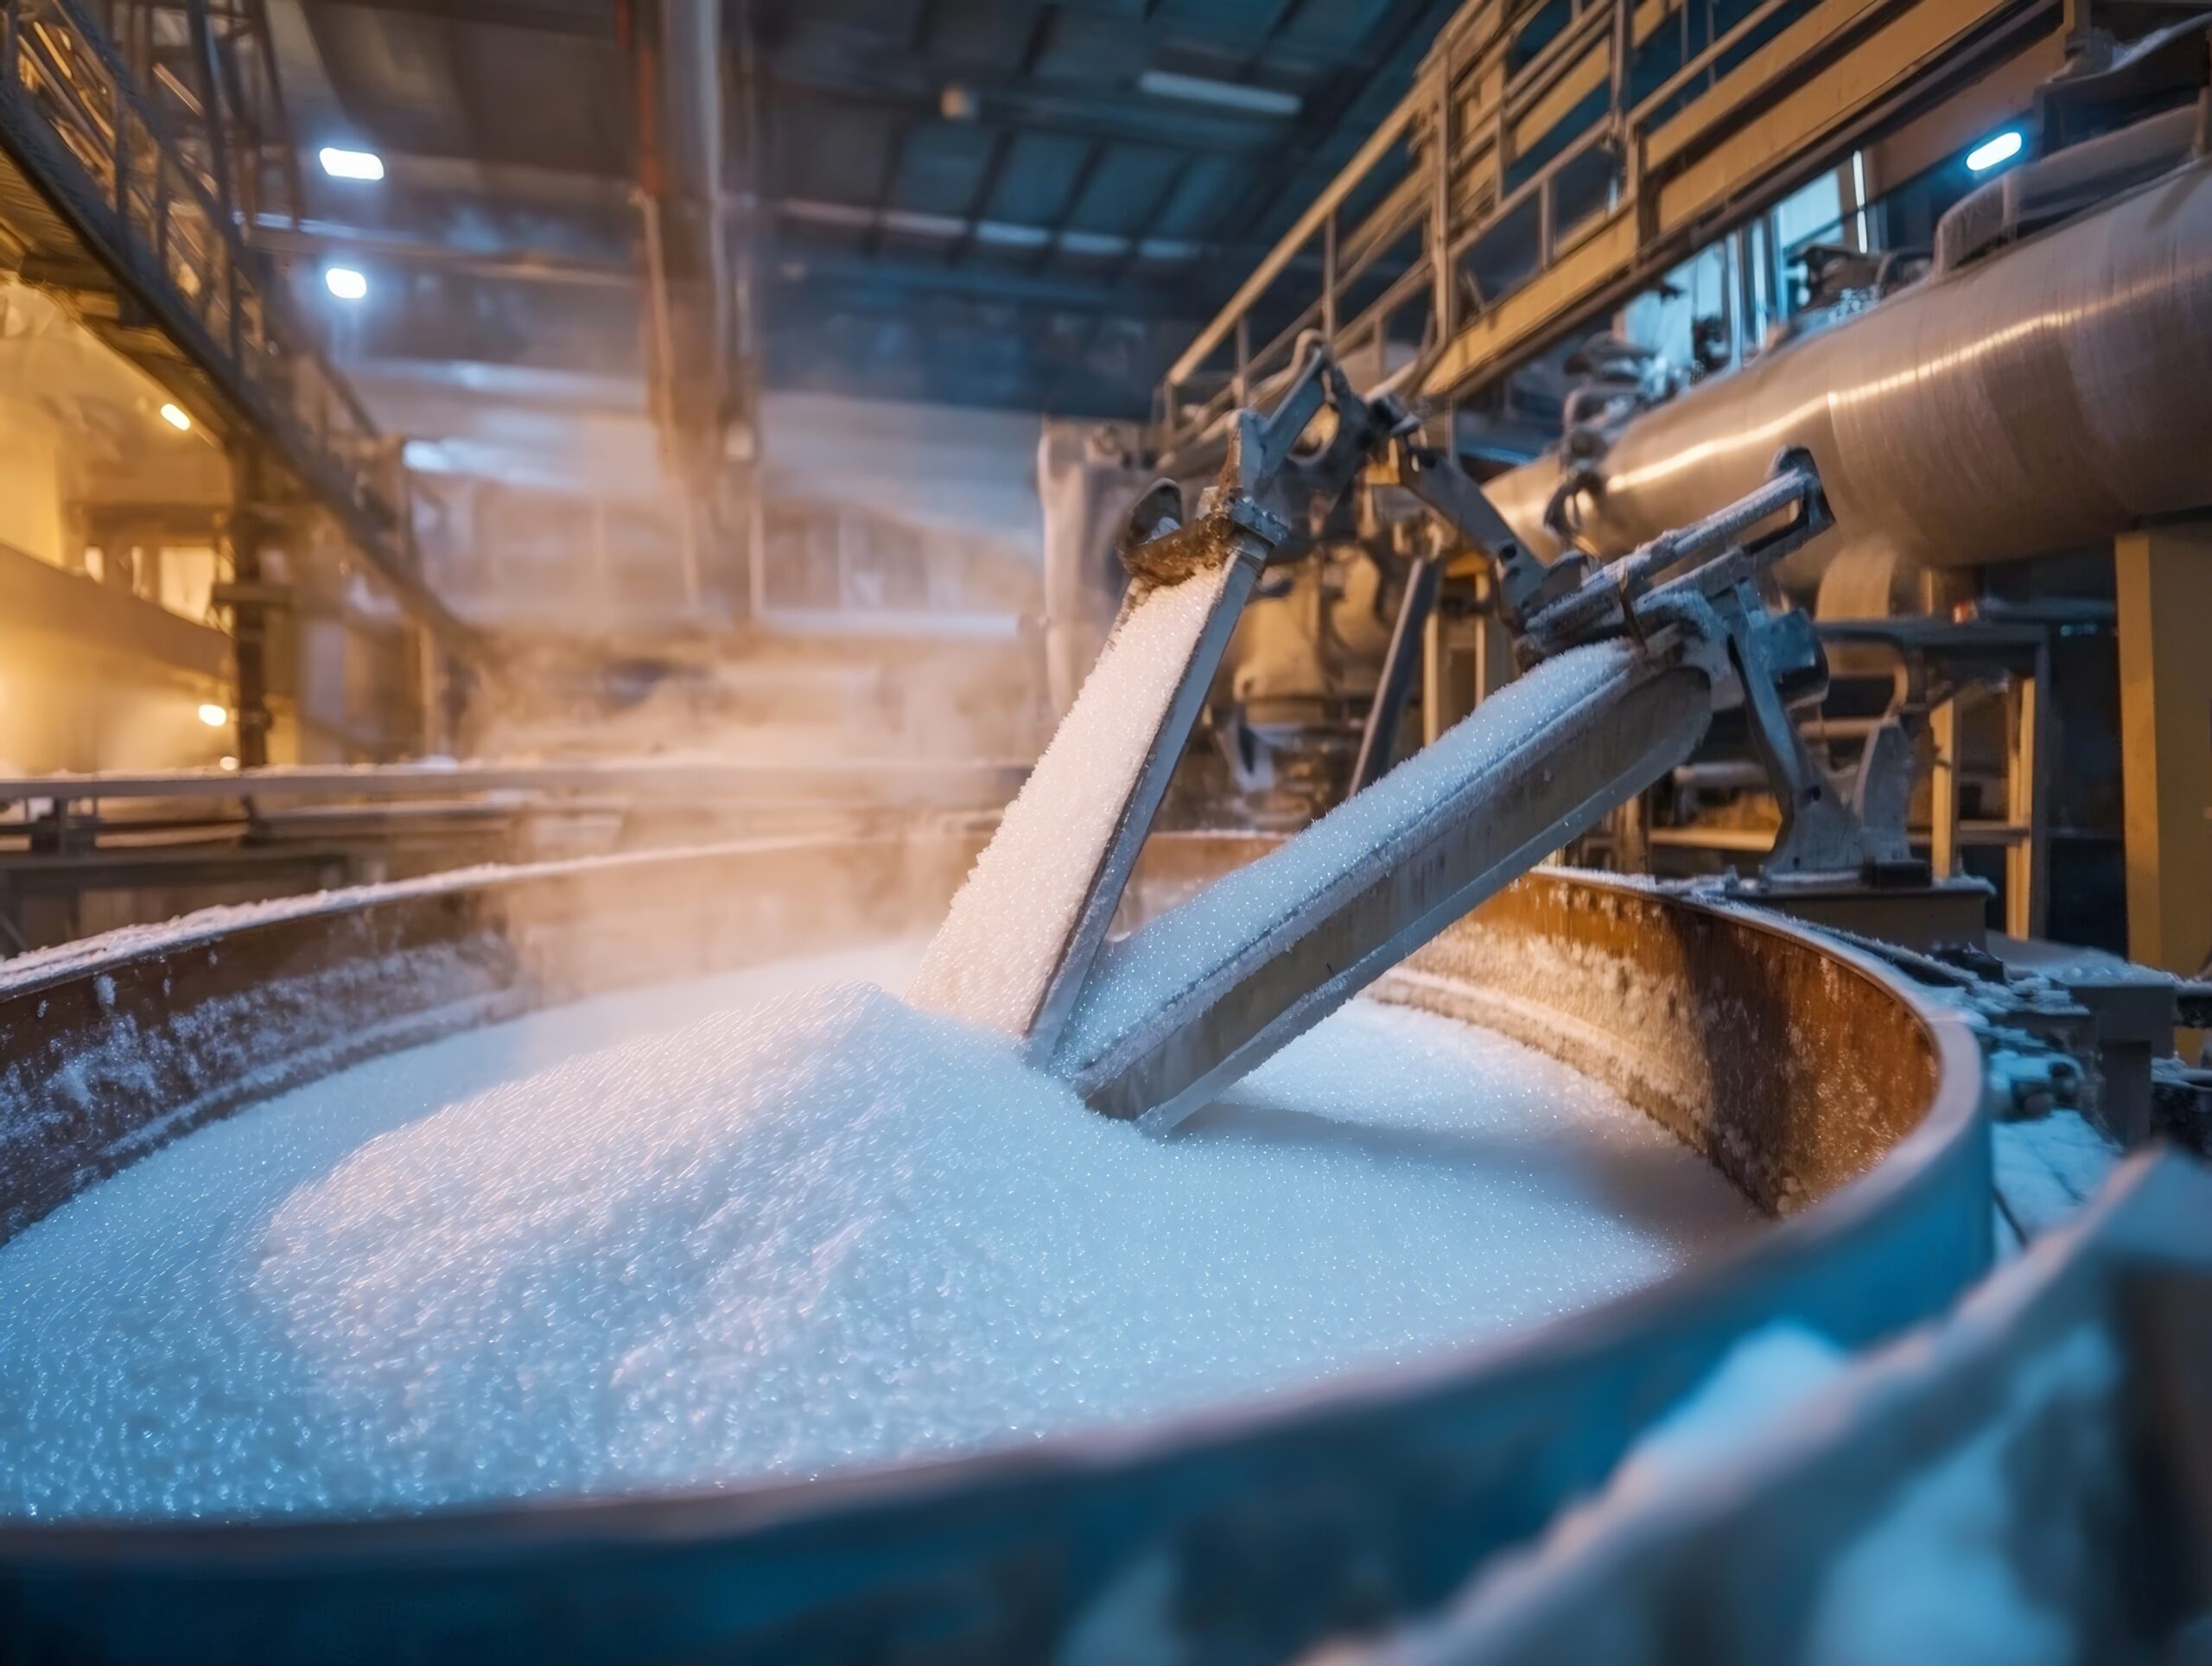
point(131, 163)
point(1553, 157)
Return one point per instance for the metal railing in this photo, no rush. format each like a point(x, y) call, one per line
point(85, 135)
point(1572, 167)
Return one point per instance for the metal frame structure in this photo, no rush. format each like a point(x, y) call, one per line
point(1544, 147)
point(209, 69)
point(133, 208)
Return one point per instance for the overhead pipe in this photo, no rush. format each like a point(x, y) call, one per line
point(2044, 396)
point(676, 51)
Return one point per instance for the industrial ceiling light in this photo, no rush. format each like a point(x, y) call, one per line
point(1226, 95)
point(1995, 149)
point(214, 715)
point(345, 283)
point(175, 417)
point(343, 164)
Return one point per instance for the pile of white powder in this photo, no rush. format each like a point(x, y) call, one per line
point(991, 962)
point(780, 1238)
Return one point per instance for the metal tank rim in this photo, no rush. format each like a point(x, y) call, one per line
point(1888, 1248)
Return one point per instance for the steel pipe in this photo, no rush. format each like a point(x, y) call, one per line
point(2043, 397)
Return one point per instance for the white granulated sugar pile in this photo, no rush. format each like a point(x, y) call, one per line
point(827, 1231)
point(989, 963)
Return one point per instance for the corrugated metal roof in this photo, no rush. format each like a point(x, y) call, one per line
point(976, 199)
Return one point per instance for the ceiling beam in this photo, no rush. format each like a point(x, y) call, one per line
point(312, 239)
point(897, 281)
point(1082, 110)
point(800, 270)
point(581, 18)
point(907, 81)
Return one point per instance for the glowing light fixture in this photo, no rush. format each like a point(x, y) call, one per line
point(343, 164)
point(1224, 95)
point(214, 715)
point(175, 417)
point(345, 283)
point(1995, 149)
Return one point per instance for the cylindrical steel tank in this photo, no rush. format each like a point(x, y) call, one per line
point(1829, 1087)
point(2042, 398)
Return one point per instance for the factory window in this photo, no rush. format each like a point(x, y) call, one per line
point(186, 579)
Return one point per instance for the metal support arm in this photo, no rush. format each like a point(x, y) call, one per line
point(1202, 995)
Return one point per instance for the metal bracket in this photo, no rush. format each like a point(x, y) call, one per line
point(1205, 992)
point(1266, 490)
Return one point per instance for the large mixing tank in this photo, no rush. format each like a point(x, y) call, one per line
point(1836, 1094)
point(2044, 396)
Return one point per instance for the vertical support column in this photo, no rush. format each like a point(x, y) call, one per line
point(756, 543)
point(1493, 652)
point(602, 557)
point(1464, 662)
point(1441, 271)
point(1435, 677)
point(2027, 784)
point(2165, 577)
point(1618, 48)
point(429, 692)
point(244, 532)
point(1329, 280)
point(1943, 790)
point(1411, 640)
point(1443, 274)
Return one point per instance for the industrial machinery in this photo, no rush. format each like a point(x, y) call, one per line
point(1624, 667)
point(2003, 419)
point(1755, 611)
point(1910, 1115)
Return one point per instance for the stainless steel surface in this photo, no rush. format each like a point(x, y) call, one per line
point(2040, 398)
point(1229, 982)
point(1249, 997)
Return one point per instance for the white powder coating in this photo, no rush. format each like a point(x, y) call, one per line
point(1970, 1564)
point(770, 1242)
point(1241, 916)
point(210, 924)
point(991, 961)
point(2046, 1168)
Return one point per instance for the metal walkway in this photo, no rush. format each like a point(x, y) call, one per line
point(106, 204)
point(1553, 157)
